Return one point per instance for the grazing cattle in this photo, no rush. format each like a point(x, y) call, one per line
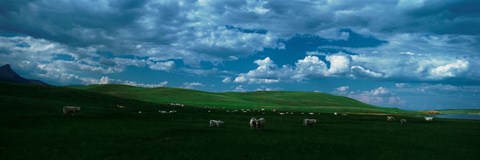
point(390, 118)
point(281, 113)
point(257, 123)
point(163, 112)
point(253, 123)
point(216, 123)
point(309, 122)
point(70, 110)
point(429, 119)
point(261, 123)
point(177, 104)
point(140, 112)
point(335, 113)
point(311, 113)
point(172, 111)
point(120, 106)
point(403, 121)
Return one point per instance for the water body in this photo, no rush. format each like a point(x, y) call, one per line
point(459, 116)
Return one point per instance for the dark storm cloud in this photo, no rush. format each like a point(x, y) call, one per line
point(429, 32)
point(440, 17)
point(115, 24)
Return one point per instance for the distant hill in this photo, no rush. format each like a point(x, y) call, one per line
point(10, 76)
point(287, 100)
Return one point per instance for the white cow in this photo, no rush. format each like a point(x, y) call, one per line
point(257, 123)
point(309, 122)
point(281, 113)
point(216, 123)
point(163, 112)
point(403, 121)
point(120, 106)
point(335, 113)
point(253, 123)
point(390, 118)
point(429, 119)
point(70, 110)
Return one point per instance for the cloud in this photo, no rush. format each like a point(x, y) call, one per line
point(104, 80)
point(341, 90)
point(240, 88)
point(162, 66)
point(378, 96)
point(107, 80)
point(157, 28)
point(418, 57)
point(266, 72)
point(227, 80)
point(192, 85)
point(401, 85)
point(449, 70)
point(339, 64)
point(308, 67)
point(359, 71)
point(142, 28)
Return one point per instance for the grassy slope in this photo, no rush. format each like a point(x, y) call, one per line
point(32, 127)
point(299, 101)
point(32, 99)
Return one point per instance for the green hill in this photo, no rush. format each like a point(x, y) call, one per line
point(49, 100)
point(286, 100)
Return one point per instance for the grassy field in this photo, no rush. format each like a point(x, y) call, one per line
point(33, 127)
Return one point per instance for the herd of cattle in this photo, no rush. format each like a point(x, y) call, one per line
point(255, 123)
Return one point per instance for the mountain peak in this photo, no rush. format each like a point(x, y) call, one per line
point(6, 66)
point(7, 72)
point(8, 75)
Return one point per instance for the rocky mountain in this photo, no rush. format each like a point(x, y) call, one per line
point(10, 76)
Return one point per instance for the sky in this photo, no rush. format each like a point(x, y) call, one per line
point(408, 54)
